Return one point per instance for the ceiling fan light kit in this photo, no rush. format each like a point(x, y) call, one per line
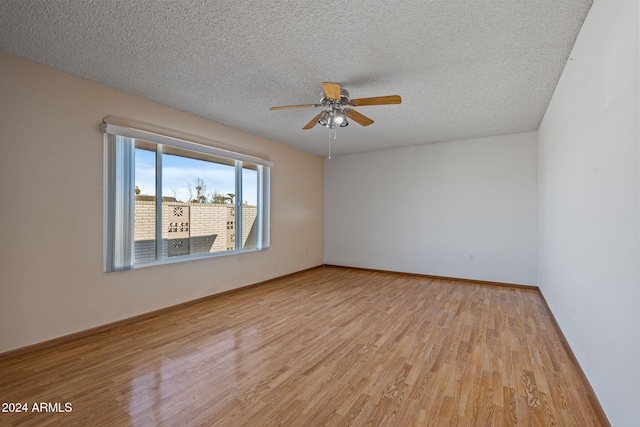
point(332, 117)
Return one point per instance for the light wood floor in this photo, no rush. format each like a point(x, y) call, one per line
point(330, 346)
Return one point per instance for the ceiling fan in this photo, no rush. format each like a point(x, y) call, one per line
point(336, 101)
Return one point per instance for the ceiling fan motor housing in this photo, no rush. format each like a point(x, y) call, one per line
point(344, 98)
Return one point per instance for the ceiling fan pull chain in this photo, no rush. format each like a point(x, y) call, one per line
point(332, 137)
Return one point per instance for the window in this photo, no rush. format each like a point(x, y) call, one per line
point(168, 199)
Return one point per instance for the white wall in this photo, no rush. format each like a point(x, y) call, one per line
point(589, 206)
point(51, 185)
point(424, 209)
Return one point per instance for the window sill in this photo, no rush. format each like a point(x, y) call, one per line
point(187, 258)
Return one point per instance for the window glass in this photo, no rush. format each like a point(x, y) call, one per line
point(198, 202)
point(249, 205)
point(145, 203)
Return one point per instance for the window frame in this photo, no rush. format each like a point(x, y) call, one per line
point(120, 137)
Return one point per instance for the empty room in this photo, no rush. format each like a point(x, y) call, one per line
point(423, 213)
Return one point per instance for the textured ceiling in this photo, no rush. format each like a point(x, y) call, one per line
point(464, 69)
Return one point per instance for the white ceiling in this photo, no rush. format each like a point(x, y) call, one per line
point(464, 68)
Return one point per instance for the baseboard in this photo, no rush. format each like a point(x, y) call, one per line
point(140, 317)
point(429, 276)
point(593, 399)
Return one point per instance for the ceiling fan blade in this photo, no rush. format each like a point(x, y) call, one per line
point(312, 123)
point(358, 118)
point(376, 100)
point(288, 107)
point(331, 90)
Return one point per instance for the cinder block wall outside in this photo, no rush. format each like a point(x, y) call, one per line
point(207, 227)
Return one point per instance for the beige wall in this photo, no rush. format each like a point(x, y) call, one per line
point(51, 279)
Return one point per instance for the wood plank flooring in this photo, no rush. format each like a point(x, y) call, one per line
point(327, 347)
